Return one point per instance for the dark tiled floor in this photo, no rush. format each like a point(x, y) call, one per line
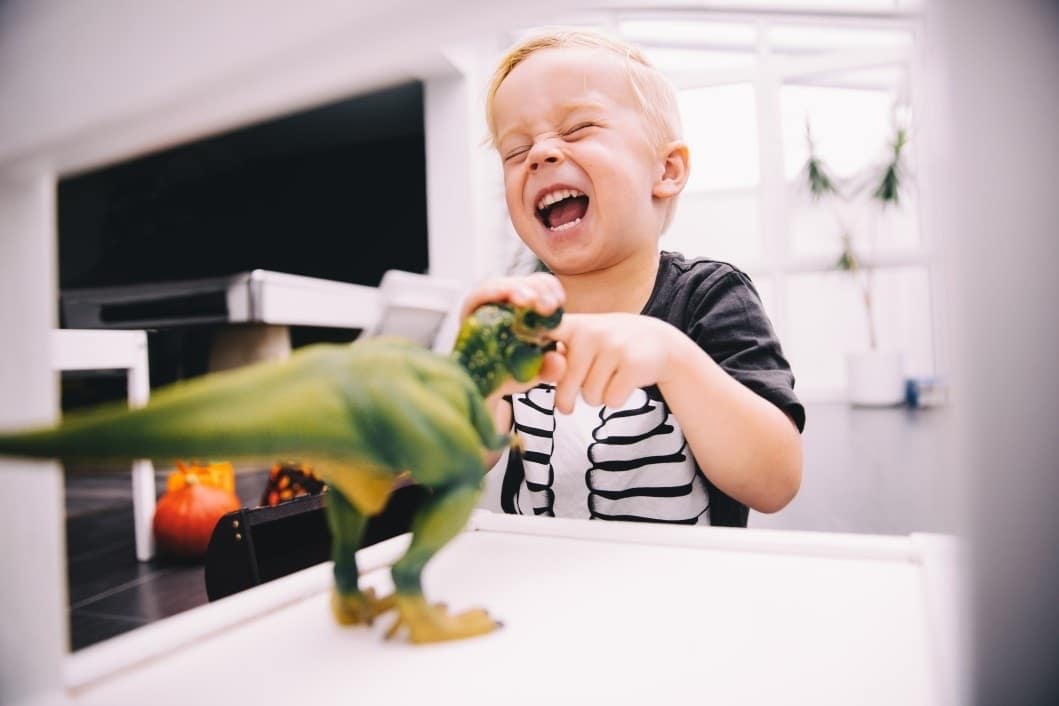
point(110, 591)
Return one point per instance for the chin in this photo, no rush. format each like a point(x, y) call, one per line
point(569, 263)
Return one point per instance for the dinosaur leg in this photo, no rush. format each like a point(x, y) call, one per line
point(437, 522)
point(349, 604)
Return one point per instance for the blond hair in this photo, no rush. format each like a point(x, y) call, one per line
point(655, 95)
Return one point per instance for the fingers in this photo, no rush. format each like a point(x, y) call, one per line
point(620, 386)
point(598, 378)
point(604, 358)
point(579, 360)
point(603, 381)
point(607, 358)
point(541, 291)
point(553, 366)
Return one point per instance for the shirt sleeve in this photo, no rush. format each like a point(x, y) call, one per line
point(729, 322)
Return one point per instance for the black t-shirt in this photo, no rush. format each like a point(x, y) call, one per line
point(632, 463)
point(719, 308)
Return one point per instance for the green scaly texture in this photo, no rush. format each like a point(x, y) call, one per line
point(383, 401)
point(375, 408)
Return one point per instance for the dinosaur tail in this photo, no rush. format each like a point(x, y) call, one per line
point(189, 422)
point(30, 444)
point(118, 435)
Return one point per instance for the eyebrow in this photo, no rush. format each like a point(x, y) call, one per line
point(566, 110)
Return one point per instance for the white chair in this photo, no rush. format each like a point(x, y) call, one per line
point(421, 307)
point(85, 349)
point(416, 306)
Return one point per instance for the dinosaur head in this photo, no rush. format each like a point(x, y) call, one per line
point(500, 340)
point(525, 351)
point(532, 327)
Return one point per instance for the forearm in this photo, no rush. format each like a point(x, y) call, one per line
point(744, 444)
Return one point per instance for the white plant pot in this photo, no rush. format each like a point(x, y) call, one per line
point(875, 378)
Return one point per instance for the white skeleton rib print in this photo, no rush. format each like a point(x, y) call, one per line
point(627, 463)
point(535, 425)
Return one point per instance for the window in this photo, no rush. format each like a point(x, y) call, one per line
point(718, 211)
point(746, 201)
point(748, 85)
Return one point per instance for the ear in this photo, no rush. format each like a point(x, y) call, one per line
point(674, 173)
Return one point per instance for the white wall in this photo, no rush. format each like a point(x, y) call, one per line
point(995, 102)
point(465, 203)
point(33, 588)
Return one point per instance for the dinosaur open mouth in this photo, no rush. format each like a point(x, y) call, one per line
point(562, 209)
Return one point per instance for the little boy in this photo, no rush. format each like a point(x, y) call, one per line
point(668, 398)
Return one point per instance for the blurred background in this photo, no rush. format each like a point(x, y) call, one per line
point(807, 125)
point(884, 170)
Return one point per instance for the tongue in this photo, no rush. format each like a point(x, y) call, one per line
point(567, 210)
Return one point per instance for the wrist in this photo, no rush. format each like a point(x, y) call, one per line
point(683, 355)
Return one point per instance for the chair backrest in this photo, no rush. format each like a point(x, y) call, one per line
point(420, 307)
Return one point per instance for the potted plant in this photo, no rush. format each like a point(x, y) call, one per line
point(874, 377)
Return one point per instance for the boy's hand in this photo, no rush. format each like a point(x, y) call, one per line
point(608, 356)
point(540, 291)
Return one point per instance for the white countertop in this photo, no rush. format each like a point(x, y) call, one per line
point(593, 613)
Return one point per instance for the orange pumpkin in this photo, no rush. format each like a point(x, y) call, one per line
point(184, 518)
point(219, 474)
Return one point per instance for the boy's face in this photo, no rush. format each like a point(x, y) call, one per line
point(580, 168)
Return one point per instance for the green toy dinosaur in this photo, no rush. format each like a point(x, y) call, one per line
point(362, 415)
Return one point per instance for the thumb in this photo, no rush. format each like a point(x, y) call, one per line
point(553, 366)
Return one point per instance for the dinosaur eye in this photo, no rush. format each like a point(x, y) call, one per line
point(531, 326)
point(551, 320)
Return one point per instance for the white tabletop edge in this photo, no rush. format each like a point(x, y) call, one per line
point(820, 544)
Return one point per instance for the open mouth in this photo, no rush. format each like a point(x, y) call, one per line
point(562, 209)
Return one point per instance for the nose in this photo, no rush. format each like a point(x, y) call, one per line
point(544, 152)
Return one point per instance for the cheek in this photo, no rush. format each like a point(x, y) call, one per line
point(615, 175)
point(632, 186)
point(513, 194)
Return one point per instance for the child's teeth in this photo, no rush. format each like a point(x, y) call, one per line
point(557, 196)
point(566, 226)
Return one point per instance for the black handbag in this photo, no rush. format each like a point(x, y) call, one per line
point(251, 546)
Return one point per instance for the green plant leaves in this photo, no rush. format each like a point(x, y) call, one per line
point(888, 190)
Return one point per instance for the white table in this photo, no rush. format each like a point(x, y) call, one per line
point(593, 613)
point(76, 349)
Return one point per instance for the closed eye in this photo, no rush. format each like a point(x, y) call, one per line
point(517, 152)
point(578, 128)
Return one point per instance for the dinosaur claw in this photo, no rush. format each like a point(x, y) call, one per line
point(359, 608)
point(433, 623)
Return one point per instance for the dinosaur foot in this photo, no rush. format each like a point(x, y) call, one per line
point(359, 608)
point(433, 623)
